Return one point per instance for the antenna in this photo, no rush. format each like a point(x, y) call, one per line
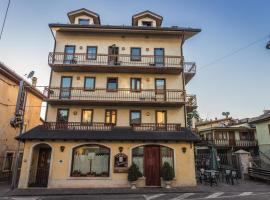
point(31, 74)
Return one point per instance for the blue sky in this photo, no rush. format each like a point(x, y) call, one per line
point(238, 84)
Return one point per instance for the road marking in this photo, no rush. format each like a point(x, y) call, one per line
point(245, 194)
point(183, 196)
point(215, 195)
point(150, 197)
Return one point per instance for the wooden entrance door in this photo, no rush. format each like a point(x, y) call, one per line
point(43, 167)
point(152, 165)
point(231, 139)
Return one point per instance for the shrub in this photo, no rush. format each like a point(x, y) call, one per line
point(167, 172)
point(134, 173)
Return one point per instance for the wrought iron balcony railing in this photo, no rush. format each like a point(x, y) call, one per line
point(61, 58)
point(228, 143)
point(100, 126)
point(122, 95)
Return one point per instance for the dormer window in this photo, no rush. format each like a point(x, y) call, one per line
point(146, 23)
point(147, 19)
point(84, 21)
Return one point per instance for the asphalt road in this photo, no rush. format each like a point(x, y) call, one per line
point(167, 196)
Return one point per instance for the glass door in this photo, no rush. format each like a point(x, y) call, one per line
point(69, 54)
point(159, 57)
point(65, 89)
point(113, 52)
point(160, 89)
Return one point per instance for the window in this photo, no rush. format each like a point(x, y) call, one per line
point(84, 21)
point(7, 166)
point(87, 116)
point(160, 84)
point(89, 83)
point(146, 23)
point(90, 161)
point(159, 56)
point(220, 135)
point(112, 83)
point(246, 136)
point(138, 157)
point(110, 117)
point(161, 117)
point(135, 84)
point(91, 53)
point(69, 54)
point(135, 117)
point(135, 54)
point(62, 115)
point(166, 156)
point(65, 88)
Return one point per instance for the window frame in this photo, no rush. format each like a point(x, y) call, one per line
point(166, 117)
point(112, 90)
point(84, 85)
point(137, 79)
point(94, 177)
point(92, 115)
point(82, 19)
point(139, 111)
point(111, 110)
point(58, 114)
point(87, 54)
point(139, 57)
point(5, 160)
point(148, 22)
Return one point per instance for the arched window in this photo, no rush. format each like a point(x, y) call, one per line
point(90, 160)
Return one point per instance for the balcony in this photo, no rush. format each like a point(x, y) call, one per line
point(191, 102)
point(119, 97)
point(100, 126)
point(122, 63)
point(230, 143)
point(189, 70)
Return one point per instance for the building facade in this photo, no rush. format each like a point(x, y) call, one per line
point(228, 135)
point(116, 96)
point(9, 86)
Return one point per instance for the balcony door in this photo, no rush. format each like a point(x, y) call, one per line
point(113, 52)
point(159, 57)
point(161, 119)
point(160, 89)
point(231, 138)
point(65, 88)
point(69, 54)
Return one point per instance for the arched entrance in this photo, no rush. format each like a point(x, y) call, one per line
point(40, 166)
point(149, 159)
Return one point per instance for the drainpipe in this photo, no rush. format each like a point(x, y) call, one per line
point(183, 77)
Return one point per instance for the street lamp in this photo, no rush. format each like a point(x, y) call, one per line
point(268, 45)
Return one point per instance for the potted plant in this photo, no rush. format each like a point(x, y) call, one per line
point(76, 173)
point(167, 174)
point(133, 175)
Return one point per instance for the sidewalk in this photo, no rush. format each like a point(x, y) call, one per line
point(243, 186)
point(4, 188)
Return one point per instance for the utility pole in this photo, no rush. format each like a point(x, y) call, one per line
point(17, 122)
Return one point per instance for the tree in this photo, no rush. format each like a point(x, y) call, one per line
point(194, 114)
point(226, 114)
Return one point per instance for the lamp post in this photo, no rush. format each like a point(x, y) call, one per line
point(268, 45)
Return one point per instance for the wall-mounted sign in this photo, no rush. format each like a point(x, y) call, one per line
point(120, 163)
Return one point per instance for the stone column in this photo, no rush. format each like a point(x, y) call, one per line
point(243, 158)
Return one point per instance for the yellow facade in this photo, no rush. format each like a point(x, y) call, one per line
point(60, 152)
point(9, 90)
point(60, 167)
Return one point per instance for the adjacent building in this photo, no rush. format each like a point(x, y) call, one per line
point(262, 124)
point(228, 135)
point(9, 86)
point(116, 96)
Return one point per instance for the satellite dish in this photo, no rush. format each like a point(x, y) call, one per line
point(31, 74)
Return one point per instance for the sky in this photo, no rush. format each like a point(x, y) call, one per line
point(233, 65)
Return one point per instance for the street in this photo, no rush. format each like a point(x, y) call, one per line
point(170, 196)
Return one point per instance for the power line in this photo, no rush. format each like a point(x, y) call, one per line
point(233, 53)
point(3, 25)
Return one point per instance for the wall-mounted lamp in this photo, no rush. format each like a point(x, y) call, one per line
point(123, 48)
point(147, 49)
point(147, 113)
point(81, 47)
point(121, 149)
point(184, 149)
point(75, 112)
point(62, 148)
point(78, 78)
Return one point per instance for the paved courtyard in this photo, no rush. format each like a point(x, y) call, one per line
point(244, 190)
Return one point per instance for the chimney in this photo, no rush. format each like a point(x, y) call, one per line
point(34, 81)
